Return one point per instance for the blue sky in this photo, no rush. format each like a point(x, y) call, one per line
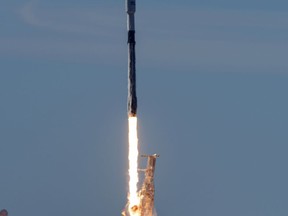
point(212, 87)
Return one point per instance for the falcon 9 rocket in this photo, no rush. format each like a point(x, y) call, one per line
point(132, 98)
point(140, 202)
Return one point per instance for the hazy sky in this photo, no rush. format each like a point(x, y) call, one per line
point(212, 89)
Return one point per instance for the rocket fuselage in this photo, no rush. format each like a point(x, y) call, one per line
point(132, 98)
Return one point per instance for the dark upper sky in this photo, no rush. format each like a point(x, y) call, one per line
point(212, 89)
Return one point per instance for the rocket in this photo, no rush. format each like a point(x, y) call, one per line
point(132, 98)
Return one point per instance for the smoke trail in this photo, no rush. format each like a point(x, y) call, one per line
point(3, 212)
point(154, 212)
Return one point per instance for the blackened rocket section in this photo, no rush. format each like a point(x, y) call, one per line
point(132, 98)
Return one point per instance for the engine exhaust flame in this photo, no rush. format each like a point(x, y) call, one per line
point(133, 197)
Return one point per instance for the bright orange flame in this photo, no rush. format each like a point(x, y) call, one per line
point(133, 197)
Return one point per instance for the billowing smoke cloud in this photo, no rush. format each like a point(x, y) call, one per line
point(3, 212)
point(154, 212)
